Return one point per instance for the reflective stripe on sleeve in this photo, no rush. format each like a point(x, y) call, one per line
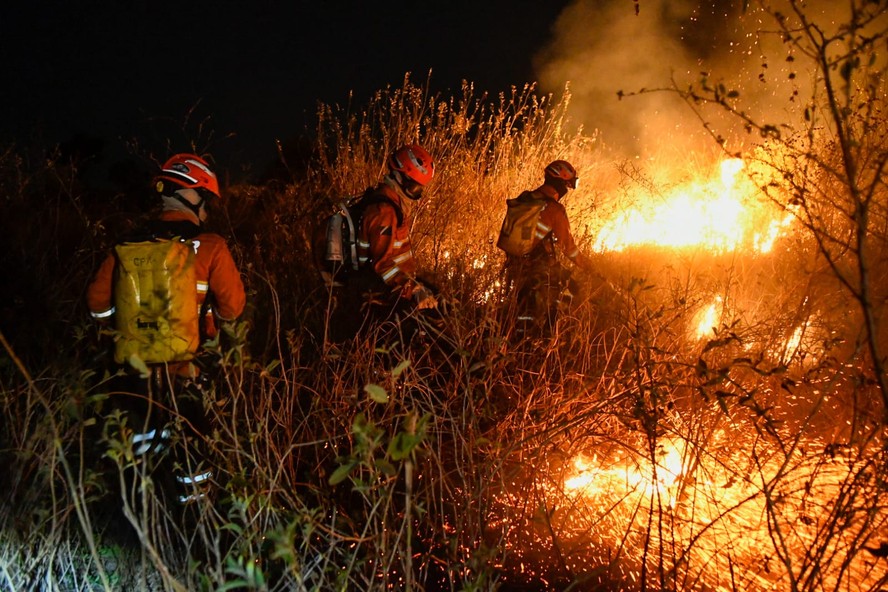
point(403, 257)
point(104, 314)
point(187, 499)
point(202, 287)
point(147, 441)
point(189, 479)
point(391, 273)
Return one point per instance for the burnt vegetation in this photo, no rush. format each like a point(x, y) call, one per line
point(700, 420)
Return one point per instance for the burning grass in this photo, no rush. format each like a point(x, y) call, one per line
point(702, 518)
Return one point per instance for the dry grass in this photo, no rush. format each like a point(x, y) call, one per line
point(459, 472)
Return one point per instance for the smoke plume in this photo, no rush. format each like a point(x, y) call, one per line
point(601, 47)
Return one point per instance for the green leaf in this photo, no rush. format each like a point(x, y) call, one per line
point(255, 575)
point(136, 362)
point(232, 527)
point(342, 473)
point(377, 393)
point(403, 444)
point(403, 365)
point(234, 585)
point(386, 468)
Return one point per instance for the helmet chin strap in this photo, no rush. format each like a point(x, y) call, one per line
point(400, 180)
point(393, 180)
point(559, 186)
point(194, 208)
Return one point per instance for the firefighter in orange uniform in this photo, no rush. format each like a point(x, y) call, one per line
point(538, 278)
point(386, 285)
point(184, 185)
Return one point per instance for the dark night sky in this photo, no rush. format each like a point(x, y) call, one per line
point(133, 69)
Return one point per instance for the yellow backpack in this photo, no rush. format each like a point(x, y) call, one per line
point(155, 293)
point(519, 226)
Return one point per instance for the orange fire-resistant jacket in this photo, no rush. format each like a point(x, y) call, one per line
point(554, 227)
point(214, 268)
point(384, 244)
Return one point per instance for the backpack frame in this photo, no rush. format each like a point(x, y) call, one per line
point(337, 257)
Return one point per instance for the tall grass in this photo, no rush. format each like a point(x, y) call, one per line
point(445, 462)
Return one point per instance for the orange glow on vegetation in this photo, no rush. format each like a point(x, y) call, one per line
point(710, 502)
point(803, 344)
point(722, 212)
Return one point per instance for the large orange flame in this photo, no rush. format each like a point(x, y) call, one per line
point(721, 213)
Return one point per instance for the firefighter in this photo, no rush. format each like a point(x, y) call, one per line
point(184, 186)
point(386, 286)
point(537, 277)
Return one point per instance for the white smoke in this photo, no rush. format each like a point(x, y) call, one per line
point(601, 47)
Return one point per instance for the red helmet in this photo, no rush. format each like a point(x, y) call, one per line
point(563, 171)
point(190, 171)
point(415, 166)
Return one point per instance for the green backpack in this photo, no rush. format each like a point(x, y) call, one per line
point(155, 294)
point(519, 226)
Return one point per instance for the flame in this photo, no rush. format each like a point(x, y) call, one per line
point(711, 508)
point(720, 213)
point(707, 319)
point(804, 344)
point(584, 476)
point(795, 340)
point(764, 241)
point(648, 478)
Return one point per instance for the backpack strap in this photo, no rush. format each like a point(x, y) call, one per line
point(159, 230)
point(183, 229)
point(526, 196)
point(546, 246)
